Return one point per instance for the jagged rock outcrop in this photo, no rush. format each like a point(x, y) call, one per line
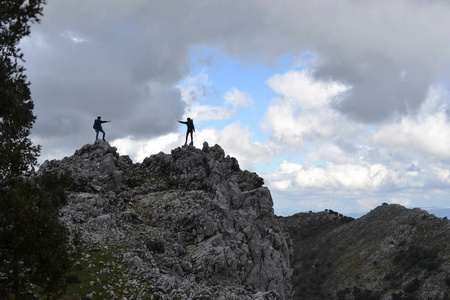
point(391, 253)
point(185, 225)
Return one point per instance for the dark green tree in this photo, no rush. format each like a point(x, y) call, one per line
point(17, 152)
point(33, 244)
point(33, 248)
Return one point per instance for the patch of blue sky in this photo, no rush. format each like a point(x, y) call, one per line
point(225, 73)
point(317, 163)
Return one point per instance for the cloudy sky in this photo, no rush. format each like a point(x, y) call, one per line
point(337, 104)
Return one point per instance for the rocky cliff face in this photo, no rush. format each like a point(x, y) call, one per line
point(185, 225)
point(391, 253)
point(192, 225)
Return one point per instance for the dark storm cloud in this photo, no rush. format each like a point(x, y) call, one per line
point(123, 59)
point(389, 52)
point(380, 88)
point(100, 62)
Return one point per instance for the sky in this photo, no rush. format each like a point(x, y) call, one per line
point(340, 105)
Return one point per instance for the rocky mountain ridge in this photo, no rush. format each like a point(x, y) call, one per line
point(192, 225)
point(390, 253)
point(185, 225)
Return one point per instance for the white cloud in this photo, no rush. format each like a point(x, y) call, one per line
point(140, 149)
point(193, 87)
point(403, 158)
point(330, 176)
point(300, 89)
point(237, 142)
point(401, 201)
point(237, 99)
point(282, 185)
point(288, 168)
point(290, 126)
point(200, 112)
point(443, 174)
point(368, 203)
point(303, 112)
point(333, 153)
point(194, 93)
point(428, 131)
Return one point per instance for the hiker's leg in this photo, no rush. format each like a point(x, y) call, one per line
point(96, 136)
point(103, 134)
point(187, 134)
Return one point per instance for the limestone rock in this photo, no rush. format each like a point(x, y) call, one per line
point(186, 225)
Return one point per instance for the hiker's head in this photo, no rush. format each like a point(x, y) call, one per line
point(188, 119)
point(98, 118)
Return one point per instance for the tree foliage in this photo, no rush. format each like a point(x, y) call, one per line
point(32, 241)
point(17, 152)
point(33, 248)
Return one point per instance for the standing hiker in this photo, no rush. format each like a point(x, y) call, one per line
point(190, 129)
point(98, 127)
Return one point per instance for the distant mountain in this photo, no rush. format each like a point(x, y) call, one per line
point(437, 211)
point(390, 253)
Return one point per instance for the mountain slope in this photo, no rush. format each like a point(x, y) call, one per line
point(390, 253)
point(185, 225)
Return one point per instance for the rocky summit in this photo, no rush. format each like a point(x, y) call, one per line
point(186, 225)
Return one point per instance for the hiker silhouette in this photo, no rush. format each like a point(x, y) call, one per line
point(98, 127)
point(190, 130)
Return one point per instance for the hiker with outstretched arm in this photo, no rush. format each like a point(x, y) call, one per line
point(98, 127)
point(190, 129)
